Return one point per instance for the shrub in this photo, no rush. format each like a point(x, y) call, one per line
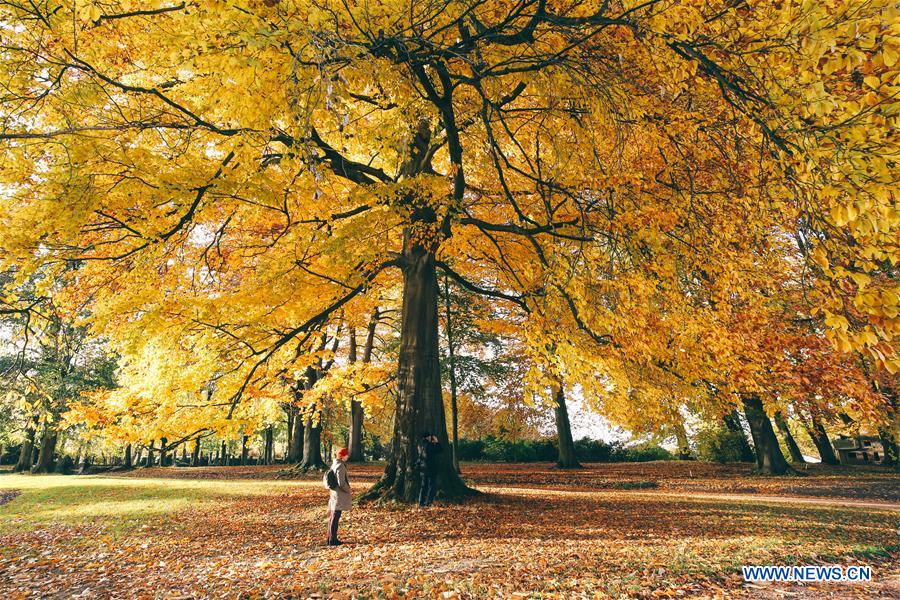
point(65, 465)
point(494, 449)
point(501, 450)
point(719, 445)
point(645, 452)
point(588, 450)
point(470, 450)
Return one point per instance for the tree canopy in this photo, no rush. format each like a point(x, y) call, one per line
point(668, 202)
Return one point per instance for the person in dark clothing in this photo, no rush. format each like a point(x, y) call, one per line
point(429, 451)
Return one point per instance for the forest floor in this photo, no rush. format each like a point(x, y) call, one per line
point(651, 530)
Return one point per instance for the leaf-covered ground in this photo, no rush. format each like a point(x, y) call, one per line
point(215, 532)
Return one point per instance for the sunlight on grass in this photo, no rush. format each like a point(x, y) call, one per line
point(122, 534)
point(127, 500)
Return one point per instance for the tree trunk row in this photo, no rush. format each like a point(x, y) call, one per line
point(793, 448)
point(769, 459)
point(819, 437)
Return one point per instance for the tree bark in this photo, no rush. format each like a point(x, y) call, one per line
point(419, 406)
point(888, 431)
point(357, 414)
point(681, 437)
point(769, 459)
point(312, 446)
point(269, 449)
point(46, 455)
point(566, 458)
point(244, 450)
point(312, 434)
point(451, 370)
point(195, 453)
point(355, 445)
point(224, 454)
point(25, 454)
point(126, 462)
point(85, 465)
point(793, 448)
point(295, 448)
point(819, 437)
point(354, 435)
point(733, 422)
point(289, 411)
point(163, 452)
point(889, 441)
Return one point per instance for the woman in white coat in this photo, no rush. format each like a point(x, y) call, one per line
point(341, 498)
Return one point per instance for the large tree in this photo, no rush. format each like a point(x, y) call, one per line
point(48, 361)
point(235, 175)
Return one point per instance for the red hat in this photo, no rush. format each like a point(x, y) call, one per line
point(343, 453)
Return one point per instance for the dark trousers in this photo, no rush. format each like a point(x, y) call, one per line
point(334, 518)
point(428, 489)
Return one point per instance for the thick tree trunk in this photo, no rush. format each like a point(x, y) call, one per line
point(85, 465)
point(163, 452)
point(312, 447)
point(290, 429)
point(25, 454)
point(46, 455)
point(793, 448)
point(419, 407)
point(354, 443)
point(769, 459)
point(224, 454)
point(681, 437)
point(354, 435)
point(819, 437)
point(889, 431)
point(138, 456)
point(566, 458)
point(195, 454)
point(451, 370)
point(269, 450)
point(295, 448)
point(151, 459)
point(244, 450)
point(126, 462)
point(733, 422)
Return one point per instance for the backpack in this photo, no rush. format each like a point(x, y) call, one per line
point(330, 480)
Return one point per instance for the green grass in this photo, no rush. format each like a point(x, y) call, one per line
point(119, 502)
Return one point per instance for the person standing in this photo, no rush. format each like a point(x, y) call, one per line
point(429, 452)
point(341, 499)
